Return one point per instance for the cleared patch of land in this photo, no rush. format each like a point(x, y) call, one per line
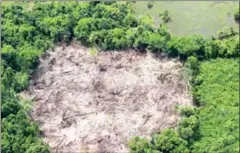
point(86, 103)
point(190, 17)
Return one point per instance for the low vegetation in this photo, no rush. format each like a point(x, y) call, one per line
point(237, 15)
point(27, 34)
point(150, 5)
point(165, 16)
point(217, 91)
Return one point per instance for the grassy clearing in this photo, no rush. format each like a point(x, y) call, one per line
point(191, 17)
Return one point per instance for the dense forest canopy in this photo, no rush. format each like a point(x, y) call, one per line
point(27, 34)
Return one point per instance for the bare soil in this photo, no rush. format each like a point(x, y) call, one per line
point(87, 103)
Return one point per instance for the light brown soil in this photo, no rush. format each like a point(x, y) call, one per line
point(95, 104)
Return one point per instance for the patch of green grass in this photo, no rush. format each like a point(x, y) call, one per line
point(93, 51)
point(6, 3)
point(190, 17)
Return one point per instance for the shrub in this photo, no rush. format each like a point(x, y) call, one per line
point(165, 16)
point(138, 145)
point(150, 5)
point(237, 15)
point(169, 141)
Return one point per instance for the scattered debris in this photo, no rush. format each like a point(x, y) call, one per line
point(98, 111)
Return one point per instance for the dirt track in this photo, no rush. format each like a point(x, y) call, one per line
point(95, 104)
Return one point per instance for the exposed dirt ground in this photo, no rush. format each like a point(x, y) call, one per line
point(87, 103)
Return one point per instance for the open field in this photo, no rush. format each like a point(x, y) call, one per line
point(189, 17)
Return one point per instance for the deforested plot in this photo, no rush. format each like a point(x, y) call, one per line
point(126, 88)
point(96, 103)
